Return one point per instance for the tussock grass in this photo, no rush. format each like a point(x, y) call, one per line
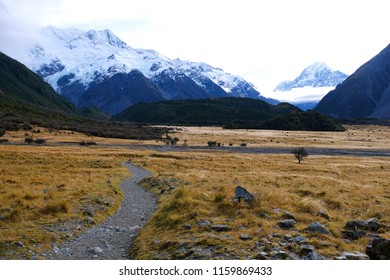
point(45, 190)
point(344, 187)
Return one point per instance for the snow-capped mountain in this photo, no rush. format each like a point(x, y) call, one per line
point(315, 75)
point(314, 82)
point(96, 68)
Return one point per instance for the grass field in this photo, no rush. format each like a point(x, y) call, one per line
point(50, 193)
point(47, 194)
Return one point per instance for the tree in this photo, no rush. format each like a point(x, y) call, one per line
point(300, 153)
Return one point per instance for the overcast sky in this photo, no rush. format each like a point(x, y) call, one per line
point(262, 41)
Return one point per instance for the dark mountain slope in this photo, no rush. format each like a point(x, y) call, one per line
point(364, 94)
point(20, 84)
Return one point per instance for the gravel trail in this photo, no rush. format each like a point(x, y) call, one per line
point(112, 239)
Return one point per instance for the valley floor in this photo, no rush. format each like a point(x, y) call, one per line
point(52, 193)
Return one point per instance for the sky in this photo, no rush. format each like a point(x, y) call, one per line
point(265, 42)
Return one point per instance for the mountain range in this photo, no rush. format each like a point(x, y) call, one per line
point(364, 94)
point(96, 68)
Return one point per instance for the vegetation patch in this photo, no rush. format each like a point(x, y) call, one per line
point(49, 194)
point(200, 219)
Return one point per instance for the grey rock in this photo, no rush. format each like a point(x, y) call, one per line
point(261, 256)
point(56, 249)
point(242, 193)
point(204, 223)
point(298, 239)
point(357, 225)
point(281, 255)
point(220, 228)
point(187, 226)
point(354, 234)
point(379, 249)
point(375, 225)
point(354, 256)
point(318, 228)
point(306, 249)
point(2, 217)
point(287, 224)
point(313, 255)
point(95, 251)
point(245, 237)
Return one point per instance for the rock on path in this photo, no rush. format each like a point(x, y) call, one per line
point(112, 239)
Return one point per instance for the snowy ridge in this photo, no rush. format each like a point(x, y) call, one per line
point(72, 61)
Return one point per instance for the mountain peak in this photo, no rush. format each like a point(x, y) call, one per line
point(315, 75)
point(73, 37)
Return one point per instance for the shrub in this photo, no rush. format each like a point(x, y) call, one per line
point(2, 132)
point(28, 140)
point(40, 141)
point(300, 153)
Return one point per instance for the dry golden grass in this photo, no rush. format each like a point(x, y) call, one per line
point(44, 188)
point(354, 137)
point(45, 193)
point(344, 187)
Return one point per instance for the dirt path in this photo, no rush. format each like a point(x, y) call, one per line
point(112, 239)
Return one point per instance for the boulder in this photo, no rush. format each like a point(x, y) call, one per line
point(357, 225)
point(379, 249)
point(317, 227)
point(204, 223)
point(313, 255)
point(354, 234)
point(354, 256)
point(287, 224)
point(242, 193)
point(220, 228)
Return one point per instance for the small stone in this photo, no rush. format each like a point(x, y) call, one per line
point(220, 228)
point(287, 236)
point(19, 244)
point(313, 255)
point(281, 255)
point(171, 188)
point(95, 250)
point(354, 256)
point(204, 223)
point(261, 256)
point(298, 239)
point(245, 237)
point(306, 249)
point(56, 249)
point(282, 243)
point(2, 217)
point(187, 226)
point(286, 224)
point(317, 227)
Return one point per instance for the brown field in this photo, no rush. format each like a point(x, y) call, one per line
point(46, 187)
